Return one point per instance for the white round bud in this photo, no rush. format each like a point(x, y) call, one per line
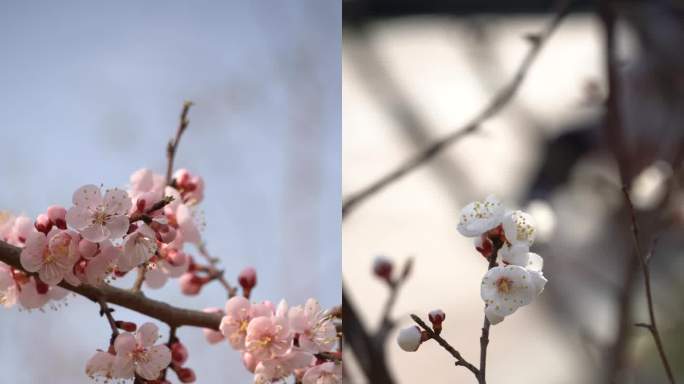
point(409, 338)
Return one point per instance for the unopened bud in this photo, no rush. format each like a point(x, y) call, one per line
point(126, 326)
point(179, 353)
point(191, 284)
point(436, 317)
point(43, 223)
point(382, 268)
point(57, 215)
point(409, 338)
point(247, 280)
point(186, 375)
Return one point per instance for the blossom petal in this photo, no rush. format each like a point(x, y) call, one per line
point(31, 257)
point(117, 202)
point(147, 334)
point(51, 274)
point(117, 226)
point(124, 343)
point(78, 217)
point(95, 233)
point(100, 364)
point(123, 367)
point(87, 197)
point(158, 358)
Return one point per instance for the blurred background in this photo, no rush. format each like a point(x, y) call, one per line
point(414, 72)
point(91, 91)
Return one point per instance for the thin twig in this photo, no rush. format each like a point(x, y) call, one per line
point(499, 101)
point(647, 283)
point(460, 361)
point(173, 143)
point(484, 338)
point(215, 273)
point(139, 279)
point(107, 312)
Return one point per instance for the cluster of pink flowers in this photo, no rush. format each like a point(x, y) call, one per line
point(278, 342)
point(102, 236)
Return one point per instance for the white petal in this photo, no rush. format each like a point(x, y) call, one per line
point(158, 358)
point(88, 197)
point(515, 254)
point(123, 367)
point(78, 217)
point(147, 334)
point(117, 226)
point(519, 228)
point(95, 233)
point(535, 262)
point(117, 202)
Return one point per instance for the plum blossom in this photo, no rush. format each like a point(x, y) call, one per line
point(505, 289)
point(326, 373)
point(316, 330)
point(146, 186)
point(52, 256)
point(99, 218)
point(15, 230)
point(137, 354)
point(8, 286)
point(101, 365)
point(171, 263)
point(190, 186)
point(239, 313)
point(409, 338)
point(268, 337)
point(138, 247)
point(279, 368)
point(519, 228)
point(480, 216)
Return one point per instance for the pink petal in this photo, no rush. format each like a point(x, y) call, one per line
point(158, 358)
point(117, 202)
point(100, 364)
point(238, 307)
point(95, 233)
point(88, 197)
point(147, 334)
point(78, 217)
point(187, 225)
point(51, 274)
point(155, 278)
point(117, 226)
point(31, 257)
point(124, 344)
point(123, 367)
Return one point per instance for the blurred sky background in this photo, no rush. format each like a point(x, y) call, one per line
point(91, 91)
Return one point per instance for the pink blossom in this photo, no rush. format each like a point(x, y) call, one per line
point(281, 367)
point(138, 247)
point(190, 186)
point(52, 256)
point(33, 294)
point(98, 218)
point(171, 263)
point(316, 330)
point(57, 216)
point(239, 312)
point(212, 336)
point(100, 365)
point(17, 230)
point(8, 286)
point(147, 186)
point(100, 266)
point(268, 337)
point(138, 354)
point(326, 373)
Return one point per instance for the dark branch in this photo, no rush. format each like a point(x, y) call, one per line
point(460, 361)
point(499, 101)
point(173, 143)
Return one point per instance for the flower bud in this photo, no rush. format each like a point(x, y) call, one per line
point(484, 245)
point(409, 338)
point(166, 234)
point(382, 268)
point(126, 325)
point(436, 317)
point(87, 249)
point(249, 361)
point(176, 257)
point(43, 223)
point(179, 353)
point(57, 215)
point(191, 284)
point(247, 280)
point(186, 375)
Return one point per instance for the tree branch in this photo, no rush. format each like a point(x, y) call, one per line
point(644, 260)
point(499, 101)
point(107, 312)
point(484, 338)
point(460, 361)
point(173, 316)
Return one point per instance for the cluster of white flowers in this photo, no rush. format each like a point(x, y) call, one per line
point(517, 279)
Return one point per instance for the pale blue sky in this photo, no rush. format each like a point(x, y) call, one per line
point(91, 91)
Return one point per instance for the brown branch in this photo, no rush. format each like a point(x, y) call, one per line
point(484, 338)
point(139, 279)
point(107, 312)
point(173, 143)
point(644, 260)
point(215, 273)
point(173, 316)
point(500, 100)
point(460, 361)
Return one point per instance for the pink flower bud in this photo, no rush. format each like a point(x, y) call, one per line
point(191, 284)
point(57, 215)
point(247, 280)
point(126, 326)
point(43, 223)
point(41, 287)
point(176, 257)
point(436, 316)
point(186, 375)
point(179, 353)
point(166, 234)
point(249, 361)
point(382, 268)
point(87, 249)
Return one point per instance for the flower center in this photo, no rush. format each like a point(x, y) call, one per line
point(140, 355)
point(265, 341)
point(243, 326)
point(100, 217)
point(504, 285)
